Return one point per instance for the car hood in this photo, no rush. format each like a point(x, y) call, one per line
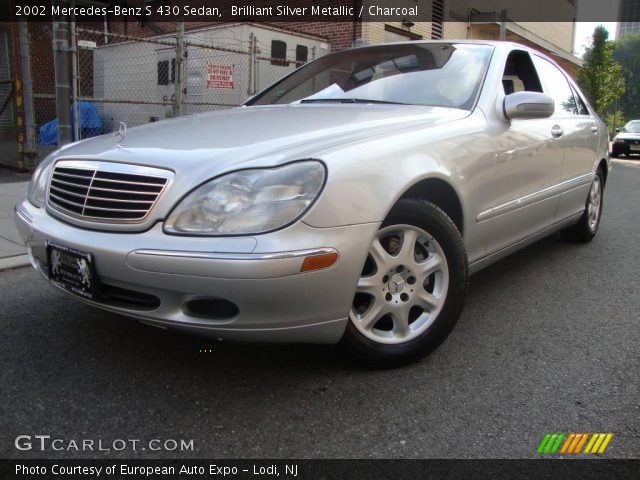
point(628, 136)
point(269, 135)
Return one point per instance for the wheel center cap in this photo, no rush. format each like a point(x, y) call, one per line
point(397, 283)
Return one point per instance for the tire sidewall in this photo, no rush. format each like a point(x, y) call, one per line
point(595, 230)
point(433, 220)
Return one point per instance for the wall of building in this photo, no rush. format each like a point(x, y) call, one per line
point(559, 34)
point(629, 17)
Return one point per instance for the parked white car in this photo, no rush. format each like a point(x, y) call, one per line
point(627, 140)
point(346, 203)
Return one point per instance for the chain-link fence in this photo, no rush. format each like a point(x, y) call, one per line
point(8, 132)
point(136, 80)
point(136, 75)
point(122, 79)
point(42, 72)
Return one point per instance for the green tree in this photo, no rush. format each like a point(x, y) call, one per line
point(627, 53)
point(614, 120)
point(601, 76)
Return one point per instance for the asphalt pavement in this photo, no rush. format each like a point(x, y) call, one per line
point(549, 342)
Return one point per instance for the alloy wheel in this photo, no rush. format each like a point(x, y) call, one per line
point(595, 199)
point(403, 285)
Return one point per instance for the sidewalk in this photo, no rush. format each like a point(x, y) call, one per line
point(13, 188)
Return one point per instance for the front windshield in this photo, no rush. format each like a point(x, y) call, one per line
point(632, 127)
point(434, 74)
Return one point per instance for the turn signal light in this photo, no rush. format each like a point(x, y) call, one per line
point(318, 262)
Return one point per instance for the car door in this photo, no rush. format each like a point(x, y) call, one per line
point(528, 166)
point(579, 138)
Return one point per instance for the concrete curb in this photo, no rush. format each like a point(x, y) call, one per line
point(18, 261)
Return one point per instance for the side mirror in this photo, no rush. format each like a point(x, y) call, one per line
point(525, 105)
point(618, 130)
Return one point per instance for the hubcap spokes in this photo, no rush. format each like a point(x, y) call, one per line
point(403, 286)
point(595, 198)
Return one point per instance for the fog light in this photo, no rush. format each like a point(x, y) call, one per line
point(211, 309)
point(318, 262)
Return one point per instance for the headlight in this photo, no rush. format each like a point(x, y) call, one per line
point(38, 184)
point(248, 201)
point(618, 140)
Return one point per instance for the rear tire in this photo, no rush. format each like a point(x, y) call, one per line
point(587, 226)
point(412, 288)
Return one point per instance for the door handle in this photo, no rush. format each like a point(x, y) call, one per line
point(556, 131)
point(594, 129)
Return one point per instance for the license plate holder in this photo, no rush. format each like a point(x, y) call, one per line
point(72, 270)
point(635, 148)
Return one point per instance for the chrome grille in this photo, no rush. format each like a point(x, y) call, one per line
point(103, 195)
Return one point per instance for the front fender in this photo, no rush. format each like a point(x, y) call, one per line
point(366, 179)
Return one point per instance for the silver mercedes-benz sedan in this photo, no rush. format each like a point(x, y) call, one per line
point(346, 203)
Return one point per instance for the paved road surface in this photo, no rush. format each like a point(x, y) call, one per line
point(549, 341)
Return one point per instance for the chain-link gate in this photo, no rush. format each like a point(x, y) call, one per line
point(142, 76)
point(121, 79)
point(136, 80)
point(43, 77)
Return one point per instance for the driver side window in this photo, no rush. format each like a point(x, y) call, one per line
point(557, 87)
point(519, 74)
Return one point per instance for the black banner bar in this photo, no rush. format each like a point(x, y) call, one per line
point(317, 469)
point(477, 11)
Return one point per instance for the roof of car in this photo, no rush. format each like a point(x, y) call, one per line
point(453, 41)
point(504, 44)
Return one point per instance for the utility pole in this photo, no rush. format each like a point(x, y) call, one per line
point(75, 79)
point(503, 25)
point(61, 49)
point(250, 72)
point(256, 65)
point(179, 92)
point(27, 88)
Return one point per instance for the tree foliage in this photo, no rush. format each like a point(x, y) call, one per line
point(627, 53)
point(601, 76)
point(614, 120)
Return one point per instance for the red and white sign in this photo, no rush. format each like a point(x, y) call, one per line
point(220, 76)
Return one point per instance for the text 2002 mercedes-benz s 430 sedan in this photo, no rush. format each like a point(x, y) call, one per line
point(346, 203)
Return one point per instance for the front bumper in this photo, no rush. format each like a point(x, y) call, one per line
point(626, 148)
point(259, 275)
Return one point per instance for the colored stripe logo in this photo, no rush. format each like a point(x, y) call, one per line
point(573, 443)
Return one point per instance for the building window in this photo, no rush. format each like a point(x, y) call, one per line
point(167, 72)
point(437, 19)
point(279, 53)
point(163, 72)
point(302, 54)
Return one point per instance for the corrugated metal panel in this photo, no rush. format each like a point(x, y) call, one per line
point(7, 117)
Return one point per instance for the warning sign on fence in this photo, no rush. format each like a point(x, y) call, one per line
point(220, 76)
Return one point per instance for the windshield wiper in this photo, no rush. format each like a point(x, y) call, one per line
point(347, 100)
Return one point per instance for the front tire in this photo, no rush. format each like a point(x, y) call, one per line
point(587, 226)
point(412, 288)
